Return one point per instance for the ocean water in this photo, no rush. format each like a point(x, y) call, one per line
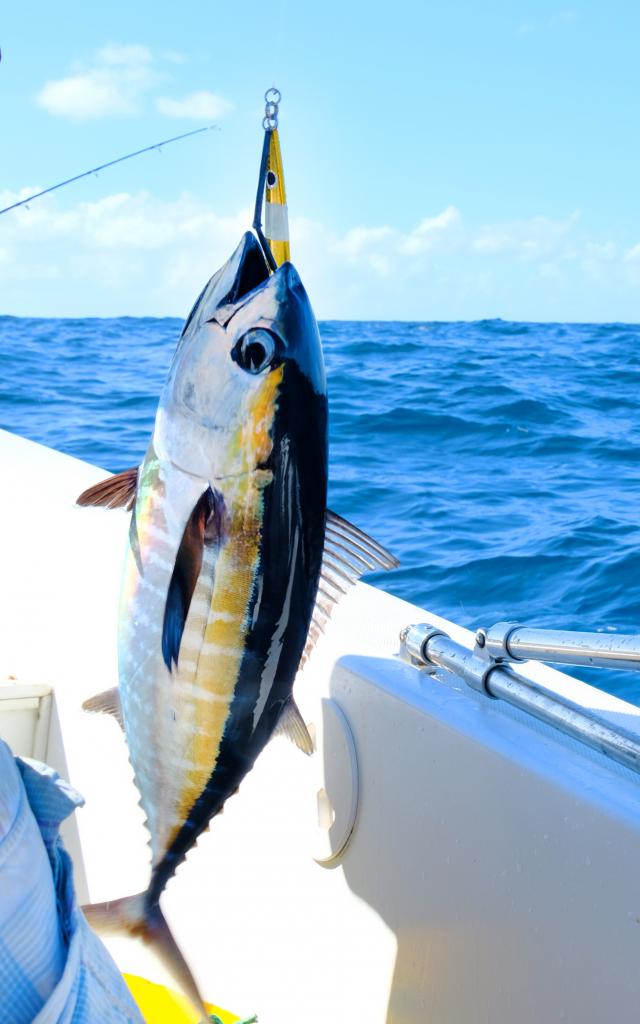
point(499, 461)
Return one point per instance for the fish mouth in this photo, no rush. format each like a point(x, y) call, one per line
point(246, 271)
point(252, 269)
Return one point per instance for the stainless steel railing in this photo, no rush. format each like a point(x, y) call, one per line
point(509, 641)
point(483, 669)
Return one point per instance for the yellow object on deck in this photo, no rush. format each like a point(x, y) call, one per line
point(276, 215)
point(159, 1005)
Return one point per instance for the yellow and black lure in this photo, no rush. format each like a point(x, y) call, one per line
point(271, 189)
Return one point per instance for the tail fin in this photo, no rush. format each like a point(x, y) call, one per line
point(132, 916)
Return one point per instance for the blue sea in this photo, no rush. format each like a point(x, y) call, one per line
point(499, 461)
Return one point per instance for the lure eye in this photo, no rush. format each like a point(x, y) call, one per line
point(272, 179)
point(255, 351)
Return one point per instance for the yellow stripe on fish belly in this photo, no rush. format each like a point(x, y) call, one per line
point(218, 656)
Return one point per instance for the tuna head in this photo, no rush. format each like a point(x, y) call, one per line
point(249, 357)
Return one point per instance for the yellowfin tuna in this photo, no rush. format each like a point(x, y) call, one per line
point(232, 568)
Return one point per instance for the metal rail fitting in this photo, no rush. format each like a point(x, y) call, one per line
point(509, 641)
point(426, 645)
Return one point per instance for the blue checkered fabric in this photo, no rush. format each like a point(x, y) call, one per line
point(53, 969)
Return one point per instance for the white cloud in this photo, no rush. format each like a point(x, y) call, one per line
point(103, 253)
point(118, 80)
point(361, 244)
point(82, 97)
point(633, 254)
point(529, 239)
point(631, 262)
point(597, 258)
point(135, 254)
point(201, 106)
point(433, 231)
point(114, 84)
point(442, 230)
point(376, 245)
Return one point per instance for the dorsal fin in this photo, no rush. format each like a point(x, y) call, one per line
point(203, 526)
point(348, 553)
point(115, 492)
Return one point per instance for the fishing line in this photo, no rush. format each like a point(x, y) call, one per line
point(111, 163)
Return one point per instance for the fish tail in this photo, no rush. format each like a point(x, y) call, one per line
point(132, 915)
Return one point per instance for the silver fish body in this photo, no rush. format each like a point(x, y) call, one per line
point(232, 567)
point(208, 651)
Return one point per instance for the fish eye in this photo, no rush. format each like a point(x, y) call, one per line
point(255, 350)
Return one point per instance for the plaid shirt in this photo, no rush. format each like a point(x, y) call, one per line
point(53, 969)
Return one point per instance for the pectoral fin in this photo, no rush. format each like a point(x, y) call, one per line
point(291, 724)
point(115, 492)
point(203, 527)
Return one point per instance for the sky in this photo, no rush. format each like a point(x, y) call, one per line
point(452, 161)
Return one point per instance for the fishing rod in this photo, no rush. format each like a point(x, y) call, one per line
point(111, 163)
